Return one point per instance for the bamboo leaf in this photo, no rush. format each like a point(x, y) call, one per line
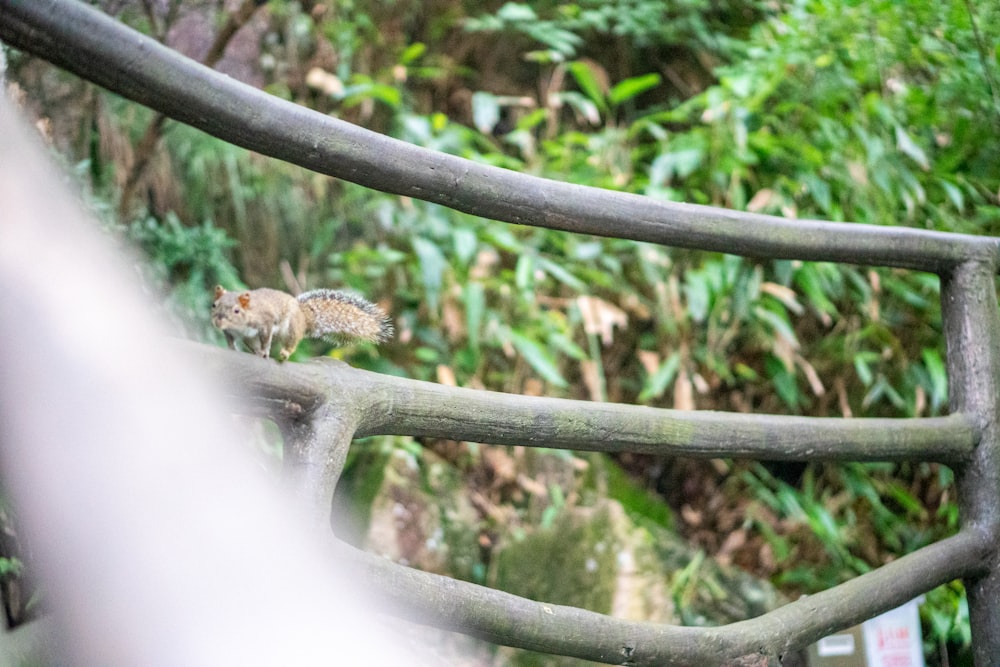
point(657, 383)
point(485, 111)
point(636, 85)
point(586, 78)
point(938, 374)
point(906, 144)
point(432, 266)
point(538, 358)
point(475, 306)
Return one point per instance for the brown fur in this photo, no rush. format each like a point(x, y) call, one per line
point(261, 316)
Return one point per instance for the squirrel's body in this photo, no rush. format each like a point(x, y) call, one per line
point(262, 316)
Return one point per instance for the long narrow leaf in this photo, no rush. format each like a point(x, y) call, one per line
point(629, 88)
point(538, 358)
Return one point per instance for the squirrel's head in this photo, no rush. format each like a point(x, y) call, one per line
point(229, 307)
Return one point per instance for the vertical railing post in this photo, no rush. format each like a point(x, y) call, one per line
point(972, 335)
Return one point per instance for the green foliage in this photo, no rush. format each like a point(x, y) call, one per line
point(805, 127)
point(565, 29)
point(848, 509)
point(560, 43)
point(946, 614)
point(10, 567)
point(643, 506)
point(183, 261)
point(835, 114)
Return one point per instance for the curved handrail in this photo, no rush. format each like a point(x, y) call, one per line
point(385, 404)
point(94, 46)
point(538, 626)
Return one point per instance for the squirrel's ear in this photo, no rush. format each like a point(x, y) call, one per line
point(244, 299)
point(219, 291)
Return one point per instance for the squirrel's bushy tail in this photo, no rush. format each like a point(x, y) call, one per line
point(341, 317)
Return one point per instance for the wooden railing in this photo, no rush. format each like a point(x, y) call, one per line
point(321, 407)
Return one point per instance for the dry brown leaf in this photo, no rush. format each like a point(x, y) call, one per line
point(691, 516)
point(766, 558)
point(601, 317)
point(650, 360)
point(325, 82)
point(785, 295)
point(845, 405)
point(733, 541)
point(485, 261)
point(632, 304)
point(446, 376)
point(722, 467)
point(676, 305)
point(488, 508)
point(858, 172)
point(532, 486)
point(592, 379)
point(533, 387)
point(920, 401)
point(761, 200)
point(811, 375)
point(452, 320)
point(500, 464)
point(784, 350)
point(700, 384)
point(683, 391)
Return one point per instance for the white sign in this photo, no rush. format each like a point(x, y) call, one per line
point(893, 639)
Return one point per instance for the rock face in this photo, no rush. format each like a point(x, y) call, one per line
point(410, 506)
point(541, 524)
point(590, 557)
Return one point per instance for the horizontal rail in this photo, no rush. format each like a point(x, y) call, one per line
point(410, 407)
point(94, 46)
point(515, 621)
point(387, 405)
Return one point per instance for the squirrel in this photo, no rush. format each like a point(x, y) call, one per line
point(261, 316)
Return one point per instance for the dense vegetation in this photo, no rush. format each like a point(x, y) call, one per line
point(877, 112)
